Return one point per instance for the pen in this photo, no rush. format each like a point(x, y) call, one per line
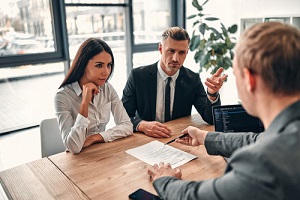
point(176, 138)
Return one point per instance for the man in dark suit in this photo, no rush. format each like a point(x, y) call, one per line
point(260, 166)
point(146, 96)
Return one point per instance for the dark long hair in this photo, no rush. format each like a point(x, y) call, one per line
point(87, 50)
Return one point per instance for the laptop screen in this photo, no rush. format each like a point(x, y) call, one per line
point(234, 118)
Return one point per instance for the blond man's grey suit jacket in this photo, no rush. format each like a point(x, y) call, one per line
point(264, 166)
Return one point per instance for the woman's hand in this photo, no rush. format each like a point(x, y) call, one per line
point(92, 139)
point(88, 92)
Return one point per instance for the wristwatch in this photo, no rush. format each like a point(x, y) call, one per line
point(212, 95)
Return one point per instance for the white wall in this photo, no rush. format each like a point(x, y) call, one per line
point(230, 12)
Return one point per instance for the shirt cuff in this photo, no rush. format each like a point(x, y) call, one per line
point(212, 143)
point(137, 126)
point(81, 120)
point(106, 136)
point(217, 99)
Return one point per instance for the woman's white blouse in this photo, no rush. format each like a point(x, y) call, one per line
point(75, 127)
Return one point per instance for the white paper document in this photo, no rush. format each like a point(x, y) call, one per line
point(155, 152)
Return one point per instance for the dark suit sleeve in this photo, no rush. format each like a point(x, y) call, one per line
point(203, 104)
point(129, 100)
point(224, 144)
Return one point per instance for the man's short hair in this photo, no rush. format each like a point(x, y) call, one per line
point(272, 51)
point(176, 33)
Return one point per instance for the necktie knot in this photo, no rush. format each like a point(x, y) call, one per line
point(169, 80)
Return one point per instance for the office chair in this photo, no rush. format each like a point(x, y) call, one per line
point(51, 142)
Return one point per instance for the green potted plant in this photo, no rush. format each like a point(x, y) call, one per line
point(213, 48)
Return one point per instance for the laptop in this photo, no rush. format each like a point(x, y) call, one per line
point(234, 118)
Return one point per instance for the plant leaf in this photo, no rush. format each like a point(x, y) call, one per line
point(217, 34)
point(191, 16)
point(205, 2)
point(227, 62)
point(219, 61)
point(202, 28)
point(214, 70)
point(214, 30)
point(195, 41)
point(195, 23)
point(232, 29)
point(211, 18)
point(224, 30)
point(208, 45)
point(201, 69)
point(207, 66)
point(230, 45)
point(202, 44)
point(212, 36)
point(197, 5)
point(197, 56)
point(231, 54)
point(220, 49)
point(204, 59)
point(194, 33)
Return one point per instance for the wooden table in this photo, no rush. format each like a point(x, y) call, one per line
point(106, 171)
point(39, 179)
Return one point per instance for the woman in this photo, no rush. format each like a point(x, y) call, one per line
point(85, 99)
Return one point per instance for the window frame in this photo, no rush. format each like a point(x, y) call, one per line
point(60, 36)
point(177, 19)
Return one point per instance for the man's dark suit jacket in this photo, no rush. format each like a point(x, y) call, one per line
point(139, 95)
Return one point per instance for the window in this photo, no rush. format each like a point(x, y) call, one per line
point(32, 51)
point(28, 28)
point(106, 21)
point(150, 19)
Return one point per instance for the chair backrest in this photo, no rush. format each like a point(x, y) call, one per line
point(51, 141)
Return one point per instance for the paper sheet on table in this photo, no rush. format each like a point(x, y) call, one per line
point(155, 152)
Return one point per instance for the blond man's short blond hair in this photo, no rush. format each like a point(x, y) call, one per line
point(272, 51)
